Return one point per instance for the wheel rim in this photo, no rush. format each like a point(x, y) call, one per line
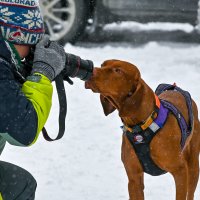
point(59, 16)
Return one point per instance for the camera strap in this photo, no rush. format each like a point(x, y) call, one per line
point(62, 112)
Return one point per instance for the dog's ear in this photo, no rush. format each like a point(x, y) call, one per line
point(132, 103)
point(107, 106)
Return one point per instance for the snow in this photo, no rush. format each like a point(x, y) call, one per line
point(160, 26)
point(86, 163)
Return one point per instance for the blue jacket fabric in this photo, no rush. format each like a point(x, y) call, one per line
point(18, 118)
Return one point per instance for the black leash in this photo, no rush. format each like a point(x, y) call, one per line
point(62, 112)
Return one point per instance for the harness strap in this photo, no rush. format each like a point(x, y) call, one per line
point(189, 105)
point(143, 152)
point(186, 129)
point(141, 140)
point(181, 121)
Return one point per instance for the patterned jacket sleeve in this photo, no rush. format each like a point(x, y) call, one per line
point(23, 111)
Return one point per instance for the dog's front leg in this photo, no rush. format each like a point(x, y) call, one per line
point(136, 187)
point(133, 170)
point(180, 177)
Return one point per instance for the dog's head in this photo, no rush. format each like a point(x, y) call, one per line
point(117, 82)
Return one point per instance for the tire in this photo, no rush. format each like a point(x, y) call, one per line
point(65, 20)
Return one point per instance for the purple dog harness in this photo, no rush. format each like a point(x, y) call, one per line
point(186, 129)
point(140, 138)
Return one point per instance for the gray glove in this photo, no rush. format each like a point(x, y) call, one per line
point(49, 59)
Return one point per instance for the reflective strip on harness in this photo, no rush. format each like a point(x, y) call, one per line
point(154, 127)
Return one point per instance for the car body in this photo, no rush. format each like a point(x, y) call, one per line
point(151, 10)
point(72, 16)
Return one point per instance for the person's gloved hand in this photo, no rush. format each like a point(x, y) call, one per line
point(49, 59)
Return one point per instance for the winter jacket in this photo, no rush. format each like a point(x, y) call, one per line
point(24, 108)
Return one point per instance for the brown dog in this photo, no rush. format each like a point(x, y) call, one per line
point(121, 87)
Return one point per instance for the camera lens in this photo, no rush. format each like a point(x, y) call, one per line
point(77, 67)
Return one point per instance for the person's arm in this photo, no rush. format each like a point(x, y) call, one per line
point(39, 93)
point(49, 61)
point(18, 118)
point(24, 111)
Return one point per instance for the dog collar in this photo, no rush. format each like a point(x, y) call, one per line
point(148, 122)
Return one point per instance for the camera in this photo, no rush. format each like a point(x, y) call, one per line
point(74, 67)
point(77, 67)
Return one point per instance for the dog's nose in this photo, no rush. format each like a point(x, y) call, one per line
point(89, 83)
point(94, 72)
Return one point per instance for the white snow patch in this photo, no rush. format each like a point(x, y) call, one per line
point(151, 26)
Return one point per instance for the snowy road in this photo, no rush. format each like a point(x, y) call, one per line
point(85, 164)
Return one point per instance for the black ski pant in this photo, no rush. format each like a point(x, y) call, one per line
point(16, 183)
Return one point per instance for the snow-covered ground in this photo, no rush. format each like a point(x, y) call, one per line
point(86, 163)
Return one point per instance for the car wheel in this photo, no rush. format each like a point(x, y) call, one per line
point(65, 20)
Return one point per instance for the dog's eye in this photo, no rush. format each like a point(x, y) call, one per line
point(117, 70)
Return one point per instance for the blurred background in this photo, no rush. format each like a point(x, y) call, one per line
point(113, 20)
